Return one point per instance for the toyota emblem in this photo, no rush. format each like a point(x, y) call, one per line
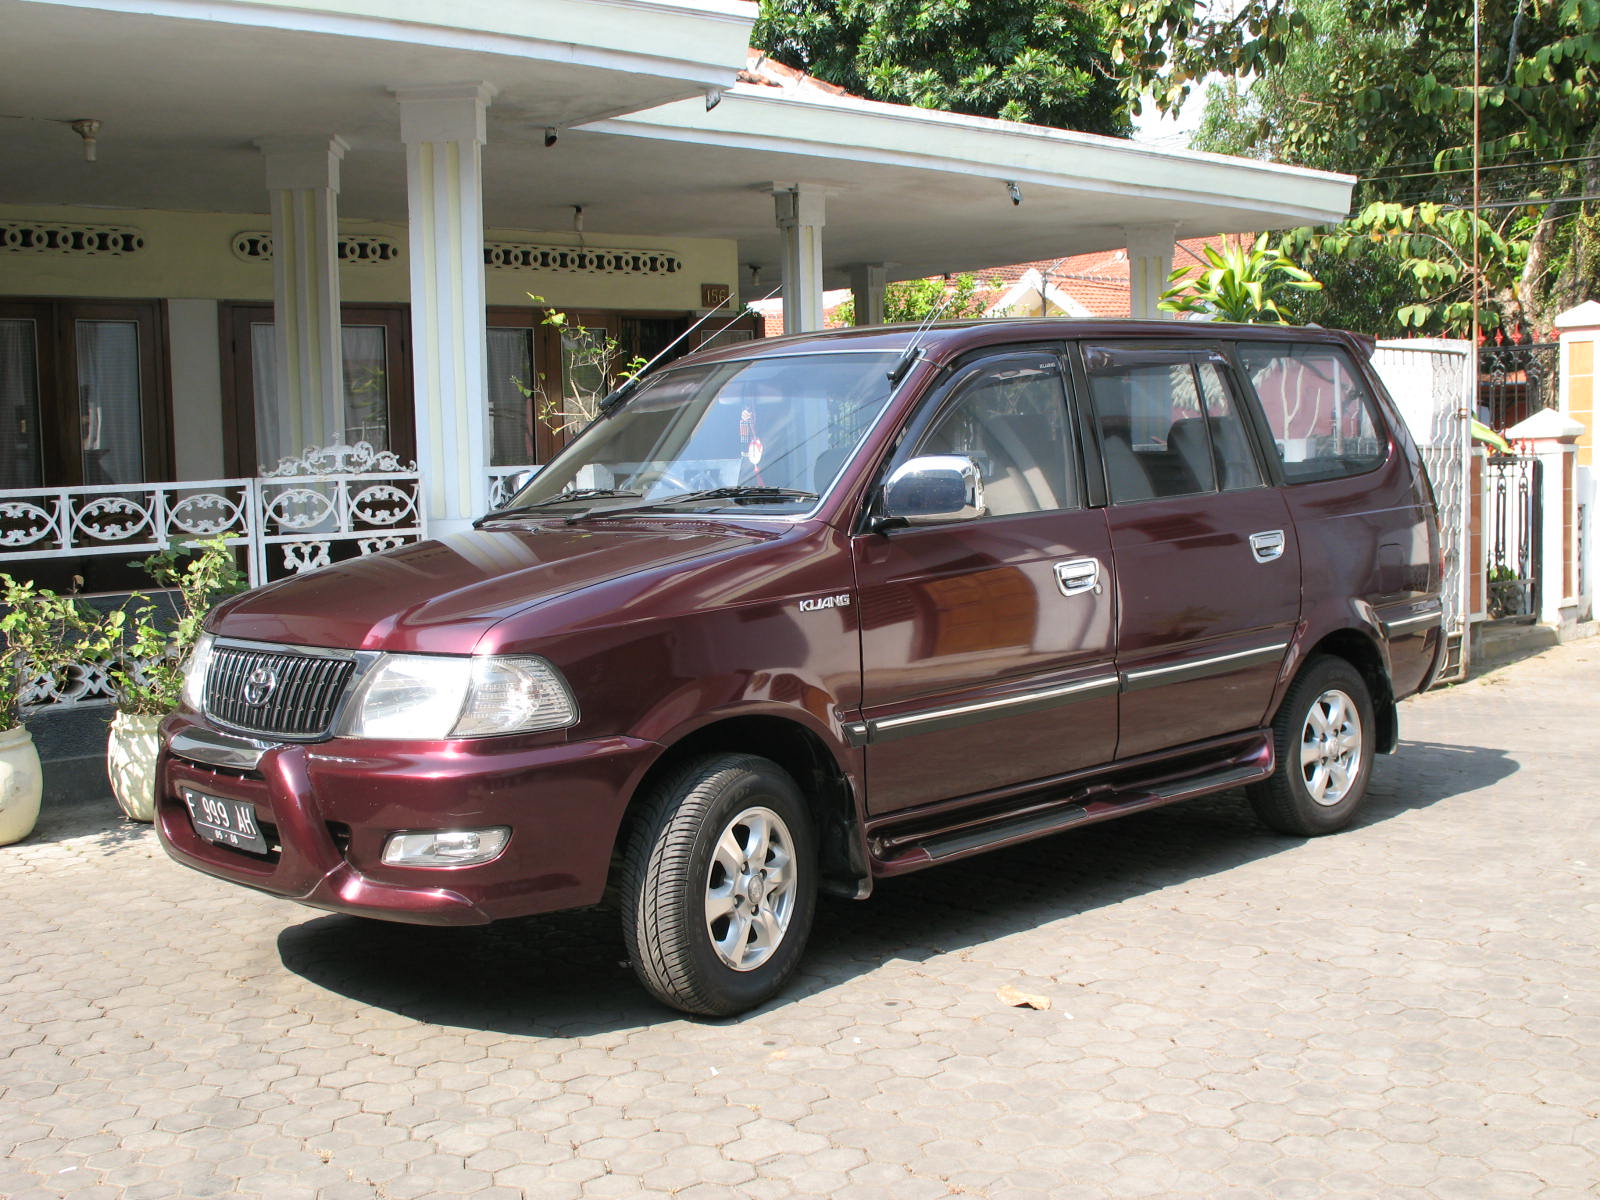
point(259, 686)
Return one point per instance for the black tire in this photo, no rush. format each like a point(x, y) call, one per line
point(676, 870)
point(1307, 799)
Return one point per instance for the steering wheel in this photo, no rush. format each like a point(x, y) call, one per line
point(647, 482)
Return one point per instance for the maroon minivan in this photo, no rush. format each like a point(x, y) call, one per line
point(824, 609)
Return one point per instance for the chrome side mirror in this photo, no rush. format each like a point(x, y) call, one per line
point(933, 489)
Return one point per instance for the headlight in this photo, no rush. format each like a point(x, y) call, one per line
point(430, 697)
point(194, 672)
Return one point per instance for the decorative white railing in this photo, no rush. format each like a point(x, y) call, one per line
point(302, 514)
point(499, 483)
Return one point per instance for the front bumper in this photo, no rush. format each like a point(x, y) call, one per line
point(327, 808)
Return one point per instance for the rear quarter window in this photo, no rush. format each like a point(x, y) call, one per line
point(1323, 421)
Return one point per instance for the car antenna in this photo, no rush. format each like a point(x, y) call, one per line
point(620, 393)
point(903, 364)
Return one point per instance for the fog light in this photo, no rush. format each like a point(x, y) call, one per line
point(445, 847)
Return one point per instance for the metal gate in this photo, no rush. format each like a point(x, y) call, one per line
point(1433, 382)
point(1515, 506)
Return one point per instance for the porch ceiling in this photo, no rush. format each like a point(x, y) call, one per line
point(184, 89)
point(924, 191)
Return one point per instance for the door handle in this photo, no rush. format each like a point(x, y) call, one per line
point(1267, 546)
point(1078, 575)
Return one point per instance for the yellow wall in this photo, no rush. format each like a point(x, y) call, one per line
point(1579, 391)
point(190, 255)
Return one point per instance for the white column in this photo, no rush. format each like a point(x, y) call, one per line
point(867, 281)
point(1149, 264)
point(303, 183)
point(442, 127)
point(800, 220)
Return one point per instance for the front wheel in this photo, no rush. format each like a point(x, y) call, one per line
point(1323, 739)
point(719, 885)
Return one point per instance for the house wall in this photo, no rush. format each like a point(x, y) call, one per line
point(190, 254)
point(188, 260)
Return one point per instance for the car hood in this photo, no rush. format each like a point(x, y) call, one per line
point(442, 595)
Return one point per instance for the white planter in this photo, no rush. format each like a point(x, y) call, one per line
point(131, 763)
point(21, 785)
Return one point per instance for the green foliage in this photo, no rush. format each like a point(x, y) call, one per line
point(591, 368)
point(1044, 61)
point(1385, 90)
point(1239, 283)
point(914, 300)
point(1358, 292)
point(1432, 249)
point(40, 630)
point(143, 653)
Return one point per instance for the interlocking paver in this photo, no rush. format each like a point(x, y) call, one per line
point(1405, 1011)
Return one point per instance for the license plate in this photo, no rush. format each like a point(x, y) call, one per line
point(225, 822)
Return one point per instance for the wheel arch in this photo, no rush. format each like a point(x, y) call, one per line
point(1366, 656)
point(808, 760)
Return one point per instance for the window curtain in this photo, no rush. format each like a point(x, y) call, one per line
point(510, 410)
point(366, 386)
point(110, 422)
point(19, 405)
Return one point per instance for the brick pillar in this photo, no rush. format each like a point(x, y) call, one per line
point(1580, 331)
point(1553, 438)
point(1477, 571)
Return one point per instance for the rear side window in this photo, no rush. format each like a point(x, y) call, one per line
point(1168, 425)
point(1323, 420)
point(1009, 416)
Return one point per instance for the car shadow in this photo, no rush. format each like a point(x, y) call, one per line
point(565, 975)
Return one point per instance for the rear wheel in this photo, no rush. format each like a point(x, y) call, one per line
point(719, 885)
point(1323, 739)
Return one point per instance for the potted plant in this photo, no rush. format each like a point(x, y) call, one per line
point(145, 652)
point(36, 629)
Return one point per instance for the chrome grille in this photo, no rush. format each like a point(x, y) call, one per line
point(299, 703)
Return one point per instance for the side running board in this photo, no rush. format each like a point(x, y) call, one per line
point(964, 834)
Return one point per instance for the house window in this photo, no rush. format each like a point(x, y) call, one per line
point(375, 406)
point(81, 397)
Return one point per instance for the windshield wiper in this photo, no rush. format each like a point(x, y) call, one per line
point(742, 493)
point(558, 498)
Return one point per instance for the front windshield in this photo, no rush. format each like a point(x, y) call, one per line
point(763, 426)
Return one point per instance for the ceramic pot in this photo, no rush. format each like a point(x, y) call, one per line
point(21, 785)
point(131, 762)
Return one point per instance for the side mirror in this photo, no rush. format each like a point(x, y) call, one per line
point(933, 489)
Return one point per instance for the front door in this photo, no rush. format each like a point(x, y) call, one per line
point(987, 644)
point(1208, 565)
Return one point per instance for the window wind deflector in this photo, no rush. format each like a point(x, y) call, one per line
point(742, 494)
point(518, 510)
point(1109, 358)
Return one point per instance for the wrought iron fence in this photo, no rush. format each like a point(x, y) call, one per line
point(333, 502)
point(1516, 381)
point(1513, 544)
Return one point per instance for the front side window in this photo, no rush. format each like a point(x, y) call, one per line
point(1009, 416)
point(783, 425)
point(1318, 408)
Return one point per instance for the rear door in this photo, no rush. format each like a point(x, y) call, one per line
point(987, 644)
point(1208, 566)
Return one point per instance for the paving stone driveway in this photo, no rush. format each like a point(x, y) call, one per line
point(1411, 1008)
